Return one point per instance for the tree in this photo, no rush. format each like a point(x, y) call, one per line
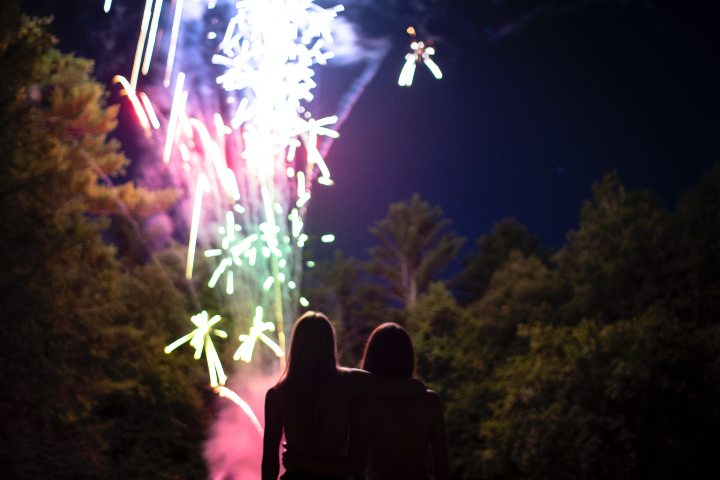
point(693, 288)
point(598, 363)
point(88, 392)
point(413, 248)
point(341, 288)
point(459, 348)
point(625, 400)
point(494, 250)
point(609, 382)
point(450, 360)
point(616, 261)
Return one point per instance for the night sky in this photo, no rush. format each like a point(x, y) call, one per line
point(537, 103)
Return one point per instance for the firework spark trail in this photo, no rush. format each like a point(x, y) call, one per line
point(147, 12)
point(370, 52)
point(151, 37)
point(268, 52)
point(173, 42)
point(129, 90)
point(237, 400)
point(237, 135)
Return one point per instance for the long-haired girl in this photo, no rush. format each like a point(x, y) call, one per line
point(311, 402)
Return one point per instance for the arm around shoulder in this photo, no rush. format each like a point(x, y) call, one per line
point(361, 382)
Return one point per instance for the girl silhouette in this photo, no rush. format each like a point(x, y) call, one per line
point(311, 402)
point(391, 437)
point(401, 437)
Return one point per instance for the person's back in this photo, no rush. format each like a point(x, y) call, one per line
point(399, 435)
point(315, 425)
point(311, 403)
point(315, 417)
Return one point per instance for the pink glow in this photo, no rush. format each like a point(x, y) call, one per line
point(234, 447)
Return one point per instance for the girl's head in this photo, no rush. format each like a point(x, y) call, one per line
point(389, 352)
point(312, 348)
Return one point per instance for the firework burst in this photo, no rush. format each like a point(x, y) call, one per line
point(234, 128)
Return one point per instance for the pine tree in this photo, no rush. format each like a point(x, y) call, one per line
point(414, 247)
point(87, 392)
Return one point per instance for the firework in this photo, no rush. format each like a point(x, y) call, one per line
point(200, 339)
point(234, 128)
point(420, 52)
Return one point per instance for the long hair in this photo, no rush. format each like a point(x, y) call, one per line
point(312, 356)
point(389, 352)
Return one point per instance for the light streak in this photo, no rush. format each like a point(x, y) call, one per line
point(225, 392)
point(201, 188)
point(226, 175)
point(257, 329)
point(107, 6)
point(420, 53)
point(301, 240)
point(137, 105)
point(327, 238)
point(300, 184)
point(141, 42)
point(151, 37)
point(434, 69)
point(200, 339)
point(152, 116)
point(230, 250)
point(173, 42)
point(408, 71)
point(241, 134)
point(174, 112)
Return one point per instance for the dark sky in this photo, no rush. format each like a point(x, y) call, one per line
point(537, 103)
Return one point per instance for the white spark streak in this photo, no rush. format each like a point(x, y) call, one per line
point(174, 113)
point(201, 188)
point(141, 42)
point(152, 37)
point(173, 42)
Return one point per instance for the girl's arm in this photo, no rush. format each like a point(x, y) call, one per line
point(361, 382)
point(272, 436)
point(353, 464)
point(438, 443)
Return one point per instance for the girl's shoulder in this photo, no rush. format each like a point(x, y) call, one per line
point(432, 401)
point(349, 372)
point(432, 396)
point(351, 380)
point(278, 390)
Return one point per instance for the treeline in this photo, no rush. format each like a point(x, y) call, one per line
point(87, 391)
point(599, 360)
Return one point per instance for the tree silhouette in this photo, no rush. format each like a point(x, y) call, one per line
point(414, 247)
point(87, 391)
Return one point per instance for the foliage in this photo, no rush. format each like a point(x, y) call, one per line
point(494, 250)
point(90, 393)
point(616, 260)
point(599, 361)
point(341, 288)
point(414, 247)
